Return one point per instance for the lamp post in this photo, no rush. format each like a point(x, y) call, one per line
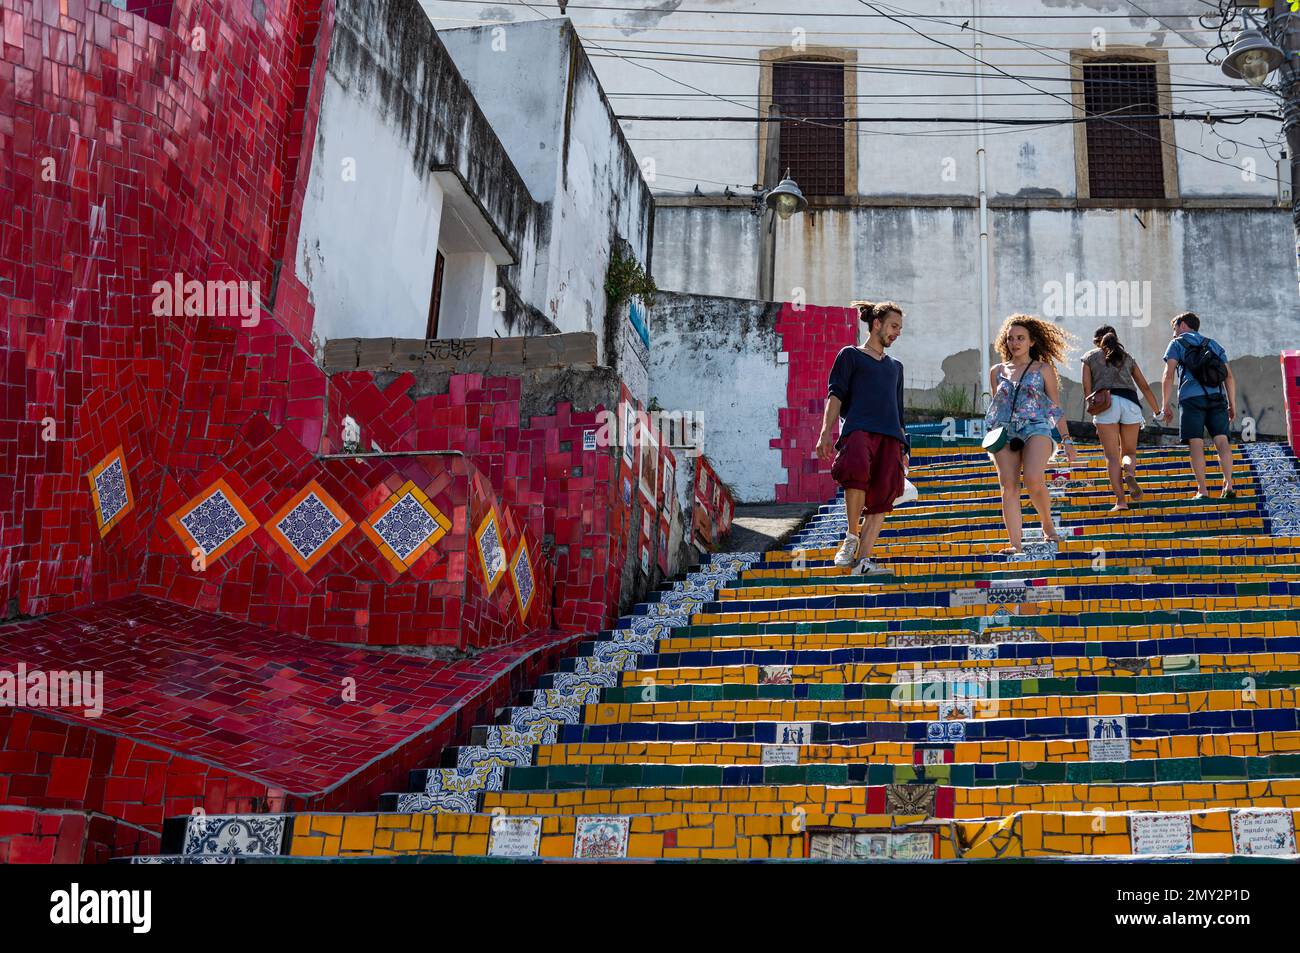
point(1261, 49)
point(782, 202)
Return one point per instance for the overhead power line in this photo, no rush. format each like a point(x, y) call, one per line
point(808, 13)
point(830, 120)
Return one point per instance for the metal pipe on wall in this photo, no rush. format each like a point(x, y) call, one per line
point(981, 164)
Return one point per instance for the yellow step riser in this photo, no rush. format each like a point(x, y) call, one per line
point(1245, 745)
point(883, 673)
point(1020, 834)
point(885, 710)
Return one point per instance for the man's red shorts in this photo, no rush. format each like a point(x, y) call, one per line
point(871, 462)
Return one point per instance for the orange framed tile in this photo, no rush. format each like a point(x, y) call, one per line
point(491, 551)
point(309, 525)
point(405, 526)
point(521, 574)
point(213, 521)
point(110, 491)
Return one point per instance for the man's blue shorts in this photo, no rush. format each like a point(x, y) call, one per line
point(1198, 414)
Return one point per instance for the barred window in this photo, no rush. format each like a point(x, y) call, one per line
point(1125, 159)
point(813, 151)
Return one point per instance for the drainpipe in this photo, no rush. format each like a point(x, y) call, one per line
point(981, 164)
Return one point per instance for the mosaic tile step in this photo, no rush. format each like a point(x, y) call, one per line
point(1242, 834)
point(1013, 683)
point(977, 659)
point(630, 775)
point(780, 709)
point(1050, 627)
point(919, 648)
point(1235, 744)
point(1223, 721)
point(964, 706)
point(818, 803)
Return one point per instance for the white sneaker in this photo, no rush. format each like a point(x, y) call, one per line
point(867, 568)
point(848, 551)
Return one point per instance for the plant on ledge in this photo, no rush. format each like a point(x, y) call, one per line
point(627, 279)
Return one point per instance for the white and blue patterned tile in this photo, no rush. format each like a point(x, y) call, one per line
point(551, 697)
point(592, 665)
point(522, 719)
point(110, 491)
point(489, 775)
point(406, 526)
point(309, 526)
point(474, 756)
point(569, 681)
point(523, 575)
point(261, 834)
point(212, 522)
point(444, 802)
point(507, 736)
point(184, 859)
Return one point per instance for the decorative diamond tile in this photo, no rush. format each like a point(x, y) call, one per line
point(309, 525)
point(405, 526)
point(521, 573)
point(243, 834)
point(110, 491)
point(492, 554)
point(213, 522)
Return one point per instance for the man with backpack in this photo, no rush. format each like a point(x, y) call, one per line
point(1207, 398)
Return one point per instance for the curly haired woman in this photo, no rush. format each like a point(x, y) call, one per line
point(1026, 400)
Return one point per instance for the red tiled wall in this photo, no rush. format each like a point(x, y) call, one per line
point(811, 337)
point(199, 161)
point(1291, 388)
point(132, 156)
point(34, 836)
point(713, 506)
point(546, 482)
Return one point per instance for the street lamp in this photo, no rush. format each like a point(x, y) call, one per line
point(786, 199)
point(1252, 58)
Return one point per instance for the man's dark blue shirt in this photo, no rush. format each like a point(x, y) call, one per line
point(870, 393)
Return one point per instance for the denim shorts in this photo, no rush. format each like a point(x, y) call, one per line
point(1199, 414)
point(1121, 411)
point(1033, 429)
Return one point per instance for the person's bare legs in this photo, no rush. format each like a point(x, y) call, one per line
point(1196, 450)
point(854, 501)
point(1128, 444)
point(1108, 434)
point(1038, 450)
point(1225, 460)
point(1008, 463)
point(875, 522)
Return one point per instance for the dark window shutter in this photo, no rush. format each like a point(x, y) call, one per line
point(1124, 154)
point(812, 151)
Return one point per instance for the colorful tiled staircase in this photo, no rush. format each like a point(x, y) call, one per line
point(1132, 695)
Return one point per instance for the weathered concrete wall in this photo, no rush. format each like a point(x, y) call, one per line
point(721, 358)
point(396, 105)
point(540, 93)
point(1231, 266)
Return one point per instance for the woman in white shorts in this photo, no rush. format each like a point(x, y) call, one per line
point(1108, 366)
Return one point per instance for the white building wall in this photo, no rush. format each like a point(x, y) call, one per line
point(561, 134)
point(341, 234)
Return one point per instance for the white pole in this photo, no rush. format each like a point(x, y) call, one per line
point(985, 303)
